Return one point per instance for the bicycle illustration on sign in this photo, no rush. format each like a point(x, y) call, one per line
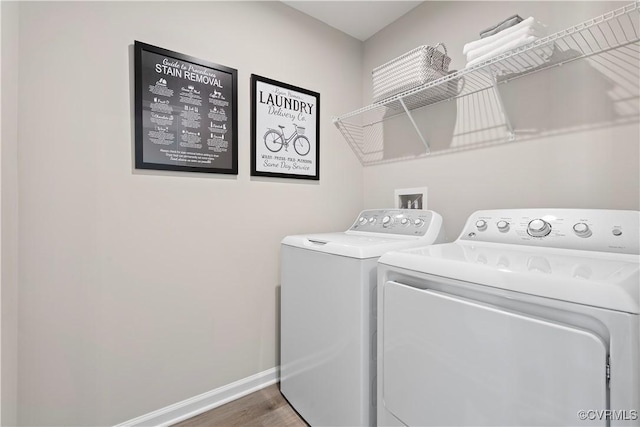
point(275, 139)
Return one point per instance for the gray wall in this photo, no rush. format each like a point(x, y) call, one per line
point(577, 144)
point(138, 290)
point(9, 214)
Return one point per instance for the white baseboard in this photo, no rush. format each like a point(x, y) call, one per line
point(196, 405)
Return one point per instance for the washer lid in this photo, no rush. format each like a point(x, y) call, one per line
point(598, 279)
point(359, 246)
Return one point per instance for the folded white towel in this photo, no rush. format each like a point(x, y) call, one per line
point(527, 23)
point(503, 48)
point(533, 30)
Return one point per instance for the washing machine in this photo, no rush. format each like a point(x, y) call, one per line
point(531, 317)
point(328, 304)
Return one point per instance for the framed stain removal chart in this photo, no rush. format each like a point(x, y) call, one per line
point(185, 113)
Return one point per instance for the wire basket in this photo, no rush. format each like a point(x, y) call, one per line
point(300, 130)
point(413, 69)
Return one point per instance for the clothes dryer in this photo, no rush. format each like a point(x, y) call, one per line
point(328, 304)
point(531, 317)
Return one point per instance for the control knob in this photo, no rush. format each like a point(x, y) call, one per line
point(387, 221)
point(362, 220)
point(539, 228)
point(418, 222)
point(481, 224)
point(503, 226)
point(405, 222)
point(582, 230)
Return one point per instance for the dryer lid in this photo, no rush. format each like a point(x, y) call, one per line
point(597, 279)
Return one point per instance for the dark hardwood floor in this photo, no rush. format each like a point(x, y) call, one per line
point(265, 407)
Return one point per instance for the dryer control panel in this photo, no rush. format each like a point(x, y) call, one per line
point(584, 229)
point(404, 222)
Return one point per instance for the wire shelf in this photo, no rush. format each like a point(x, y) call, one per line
point(615, 30)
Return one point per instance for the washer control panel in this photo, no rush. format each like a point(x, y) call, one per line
point(406, 222)
point(584, 229)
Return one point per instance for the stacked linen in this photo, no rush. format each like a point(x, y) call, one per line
point(509, 22)
point(512, 37)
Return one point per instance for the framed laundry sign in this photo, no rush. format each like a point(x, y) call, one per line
point(185, 113)
point(285, 130)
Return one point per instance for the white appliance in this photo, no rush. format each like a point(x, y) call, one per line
point(328, 303)
point(531, 317)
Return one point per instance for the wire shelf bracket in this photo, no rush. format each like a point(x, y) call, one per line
point(415, 126)
point(507, 122)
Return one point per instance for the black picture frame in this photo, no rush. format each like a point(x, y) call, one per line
point(186, 112)
point(278, 112)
